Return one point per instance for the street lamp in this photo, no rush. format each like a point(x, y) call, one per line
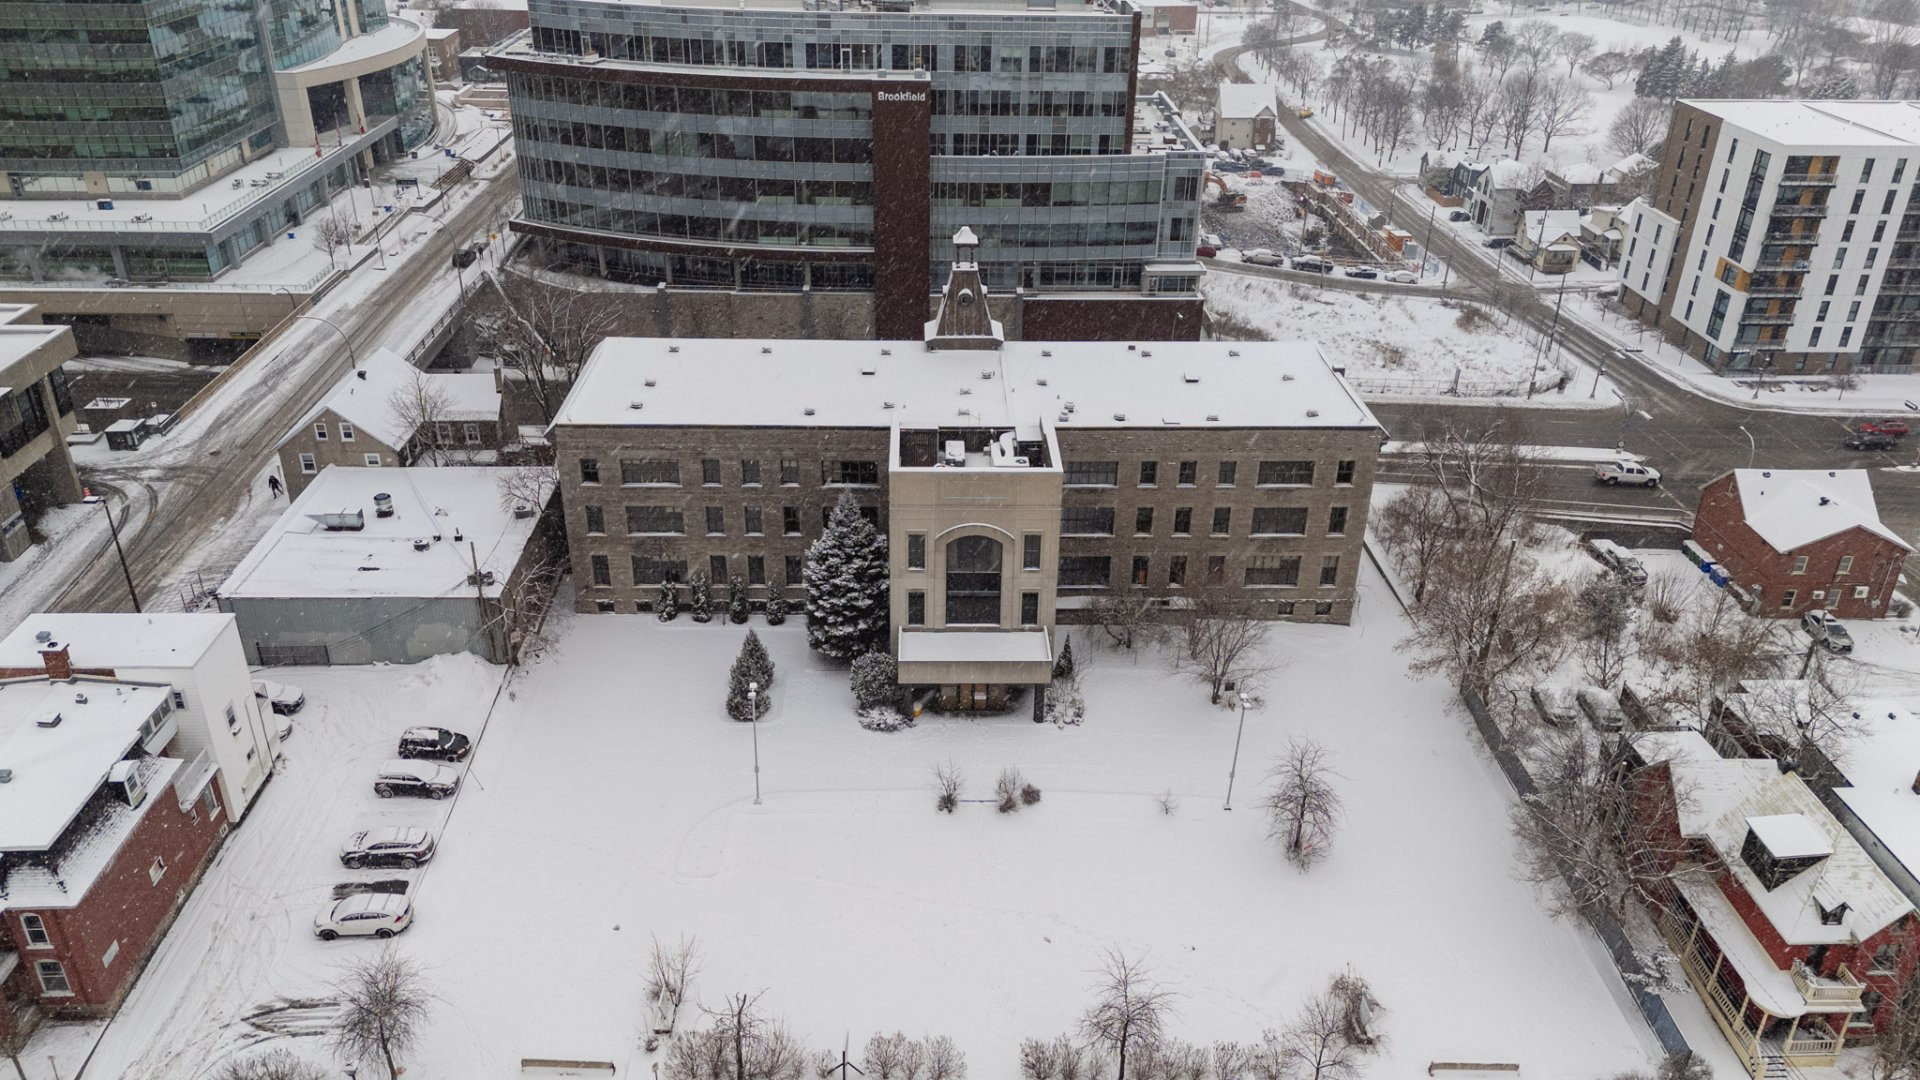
point(114, 528)
point(1750, 444)
point(753, 718)
point(343, 335)
point(1235, 767)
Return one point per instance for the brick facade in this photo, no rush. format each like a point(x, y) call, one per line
point(358, 451)
point(1770, 576)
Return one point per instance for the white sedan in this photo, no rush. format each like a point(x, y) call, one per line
point(1402, 277)
point(367, 914)
point(285, 700)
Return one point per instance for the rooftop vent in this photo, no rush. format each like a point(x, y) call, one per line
point(886, 352)
point(1233, 352)
point(673, 348)
point(1286, 378)
point(1133, 348)
point(1120, 416)
point(382, 505)
point(1145, 352)
point(1046, 352)
point(343, 521)
point(765, 349)
point(1824, 501)
point(51, 720)
point(986, 374)
point(1042, 382)
point(43, 637)
point(651, 382)
point(866, 371)
point(965, 390)
point(421, 543)
point(886, 404)
point(1214, 416)
point(457, 538)
point(1190, 379)
point(523, 510)
point(636, 406)
point(1068, 406)
point(6, 776)
point(79, 699)
point(808, 411)
point(1313, 412)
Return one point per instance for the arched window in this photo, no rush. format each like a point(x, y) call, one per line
point(973, 581)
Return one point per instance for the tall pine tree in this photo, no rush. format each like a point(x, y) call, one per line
point(752, 665)
point(846, 576)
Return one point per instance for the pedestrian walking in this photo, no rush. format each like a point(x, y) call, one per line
point(273, 485)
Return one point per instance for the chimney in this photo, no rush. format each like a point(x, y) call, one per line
point(59, 662)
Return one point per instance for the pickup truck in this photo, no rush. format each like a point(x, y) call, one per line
point(1615, 473)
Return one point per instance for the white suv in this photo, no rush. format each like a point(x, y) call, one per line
point(367, 914)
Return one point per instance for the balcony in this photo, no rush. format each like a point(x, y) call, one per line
point(1795, 210)
point(1782, 262)
point(1810, 179)
point(1776, 290)
point(1840, 989)
point(1762, 318)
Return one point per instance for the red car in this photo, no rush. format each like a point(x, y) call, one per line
point(1895, 428)
point(1206, 252)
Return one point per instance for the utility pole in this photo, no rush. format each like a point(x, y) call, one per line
point(480, 595)
point(1235, 767)
point(114, 528)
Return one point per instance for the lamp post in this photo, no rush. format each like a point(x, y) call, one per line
point(114, 528)
point(753, 719)
point(343, 335)
point(1235, 767)
point(1751, 448)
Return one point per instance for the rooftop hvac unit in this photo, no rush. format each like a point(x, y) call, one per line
point(127, 782)
point(956, 452)
point(523, 510)
point(343, 521)
point(382, 505)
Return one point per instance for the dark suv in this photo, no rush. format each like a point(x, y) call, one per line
point(434, 742)
point(1871, 440)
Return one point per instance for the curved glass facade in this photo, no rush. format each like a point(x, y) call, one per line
point(303, 30)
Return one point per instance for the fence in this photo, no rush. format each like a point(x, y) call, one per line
point(1605, 926)
point(1457, 386)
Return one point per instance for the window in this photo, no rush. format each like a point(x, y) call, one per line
point(1886, 959)
point(372, 460)
point(1821, 315)
point(471, 433)
point(1800, 564)
point(1183, 521)
point(916, 609)
point(1177, 571)
point(751, 515)
point(320, 431)
point(716, 520)
point(307, 466)
point(1846, 334)
point(717, 569)
point(1029, 609)
point(1143, 521)
point(973, 580)
point(53, 977)
point(157, 871)
point(1084, 571)
point(1086, 521)
point(605, 607)
point(1227, 469)
point(790, 520)
point(1270, 571)
point(1142, 569)
point(756, 569)
point(790, 472)
point(1869, 1005)
point(602, 572)
point(796, 570)
point(113, 950)
point(1149, 473)
point(179, 700)
point(1343, 472)
point(710, 472)
point(35, 929)
point(1839, 258)
point(1859, 197)
point(750, 473)
point(233, 719)
point(1860, 287)
point(1222, 520)
point(916, 551)
point(1845, 567)
point(1337, 521)
point(851, 473)
point(1833, 282)
point(1324, 607)
point(1786, 598)
point(443, 434)
point(654, 519)
point(209, 801)
point(648, 571)
point(1330, 570)
point(1189, 473)
point(589, 471)
point(1813, 339)
point(1091, 474)
point(1879, 232)
point(596, 520)
point(1853, 311)
point(1846, 234)
point(1873, 256)
point(1290, 473)
point(1279, 521)
point(346, 431)
point(650, 471)
point(1030, 551)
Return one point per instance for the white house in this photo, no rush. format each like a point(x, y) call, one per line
point(1246, 116)
point(197, 655)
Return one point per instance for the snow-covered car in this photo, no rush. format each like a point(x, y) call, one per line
point(434, 742)
point(1312, 264)
point(393, 846)
point(1603, 709)
point(1368, 272)
point(1615, 473)
point(415, 778)
point(1213, 240)
point(367, 914)
point(285, 700)
point(1402, 277)
point(1459, 215)
point(1262, 257)
point(286, 729)
point(1828, 631)
point(1556, 705)
point(1619, 560)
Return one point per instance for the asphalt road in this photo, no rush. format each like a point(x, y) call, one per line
point(188, 499)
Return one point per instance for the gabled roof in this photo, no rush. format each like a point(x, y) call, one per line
point(365, 398)
point(1244, 101)
point(1791, 508)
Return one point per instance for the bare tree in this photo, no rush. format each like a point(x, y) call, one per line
point(548, 333)
point(1129, 616)
point(1574, 48)
point(1708, 652)
point(330, 234)
point(1518, 109)
point(1039, 1060)
point(1302, 806)
point(670, 970)
point(1232, 1061)
point(743, 1044)
point(272, 1065)
point(384, 1004)
point(944, 1059)
point(1609, 66)
point(1640, 127)
point(1888, 47)
point(1564, 106)
point(1314, 1044)
point(1222, 640)
point(1896, 1046)
point(1602, 613)
point(422, 407)
point(1130, 1011)
point(12, 1044)
point(1535, 41)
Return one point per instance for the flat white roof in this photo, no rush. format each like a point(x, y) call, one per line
point(57, 769)
point(1864, 124)
point(1791, 508)
point(1791, 836)
point(398, 32)
point(456, 511)
point(975, 646)
point(116, 639)
point(657, 382)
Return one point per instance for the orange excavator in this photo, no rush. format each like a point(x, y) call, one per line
point(1227, 199)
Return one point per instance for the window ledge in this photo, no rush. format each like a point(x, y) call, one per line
point(48, 947)
point(56, 993)
point(625, 484)
point(1276, 536)
point(656, 534)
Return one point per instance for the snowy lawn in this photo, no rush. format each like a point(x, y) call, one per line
point(610, 800)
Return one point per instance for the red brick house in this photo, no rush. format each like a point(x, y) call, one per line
point(1793, 937)
point(1796, 540)
point(102, 837)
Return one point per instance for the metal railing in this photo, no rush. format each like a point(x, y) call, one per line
point(1841, 987)
point(1826, 179)
point(1795, 210)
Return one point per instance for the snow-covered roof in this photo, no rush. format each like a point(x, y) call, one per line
point(657, 382)
point(365, 397)
point(398, 33)
point(1791, 836)
point(59, 748)
point(456, 512)
point(1882, 766)
point(1791, 508)
point(1823, 123)
point(1770, 988)
point(1508, 173)
point(1552, 224)
point(974, 646)
point(78, 861)
point(1721, 798)
point(1244, 101)
point(1630, 166)
point(117, 639)
point(1581, 173)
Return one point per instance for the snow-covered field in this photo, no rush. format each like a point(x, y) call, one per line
point(610, 800)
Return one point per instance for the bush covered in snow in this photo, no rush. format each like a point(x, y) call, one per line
point(736, 599)
point(776, 600)
point(884, 718)
point(875, 681)
point(702, 589)
point(669, 603)
point(1007, 789)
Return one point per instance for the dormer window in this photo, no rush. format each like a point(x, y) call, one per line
point(1780, 846)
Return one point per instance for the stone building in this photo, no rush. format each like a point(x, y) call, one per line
point(1015, 481)
point(36, 416)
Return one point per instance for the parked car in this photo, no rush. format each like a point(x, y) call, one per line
point(1402, 277)
point(1871, 440)
point(286, 700)
point(1312, 264)
point(1368, 272)
point(1262, 257)
point(1556, 706)
point(286, 729)
point(1497, 242)
point(387, 847)
point(1227, 166)
point(1459, 215)
point(1603, 709)
point(1615, 473)
point(1896, 428)
point(1619, 560)
point(367, 914)
point(1828, 631)
point(434, 742)
point(415, 778)
point(1213, 240)
point(1205, 251)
